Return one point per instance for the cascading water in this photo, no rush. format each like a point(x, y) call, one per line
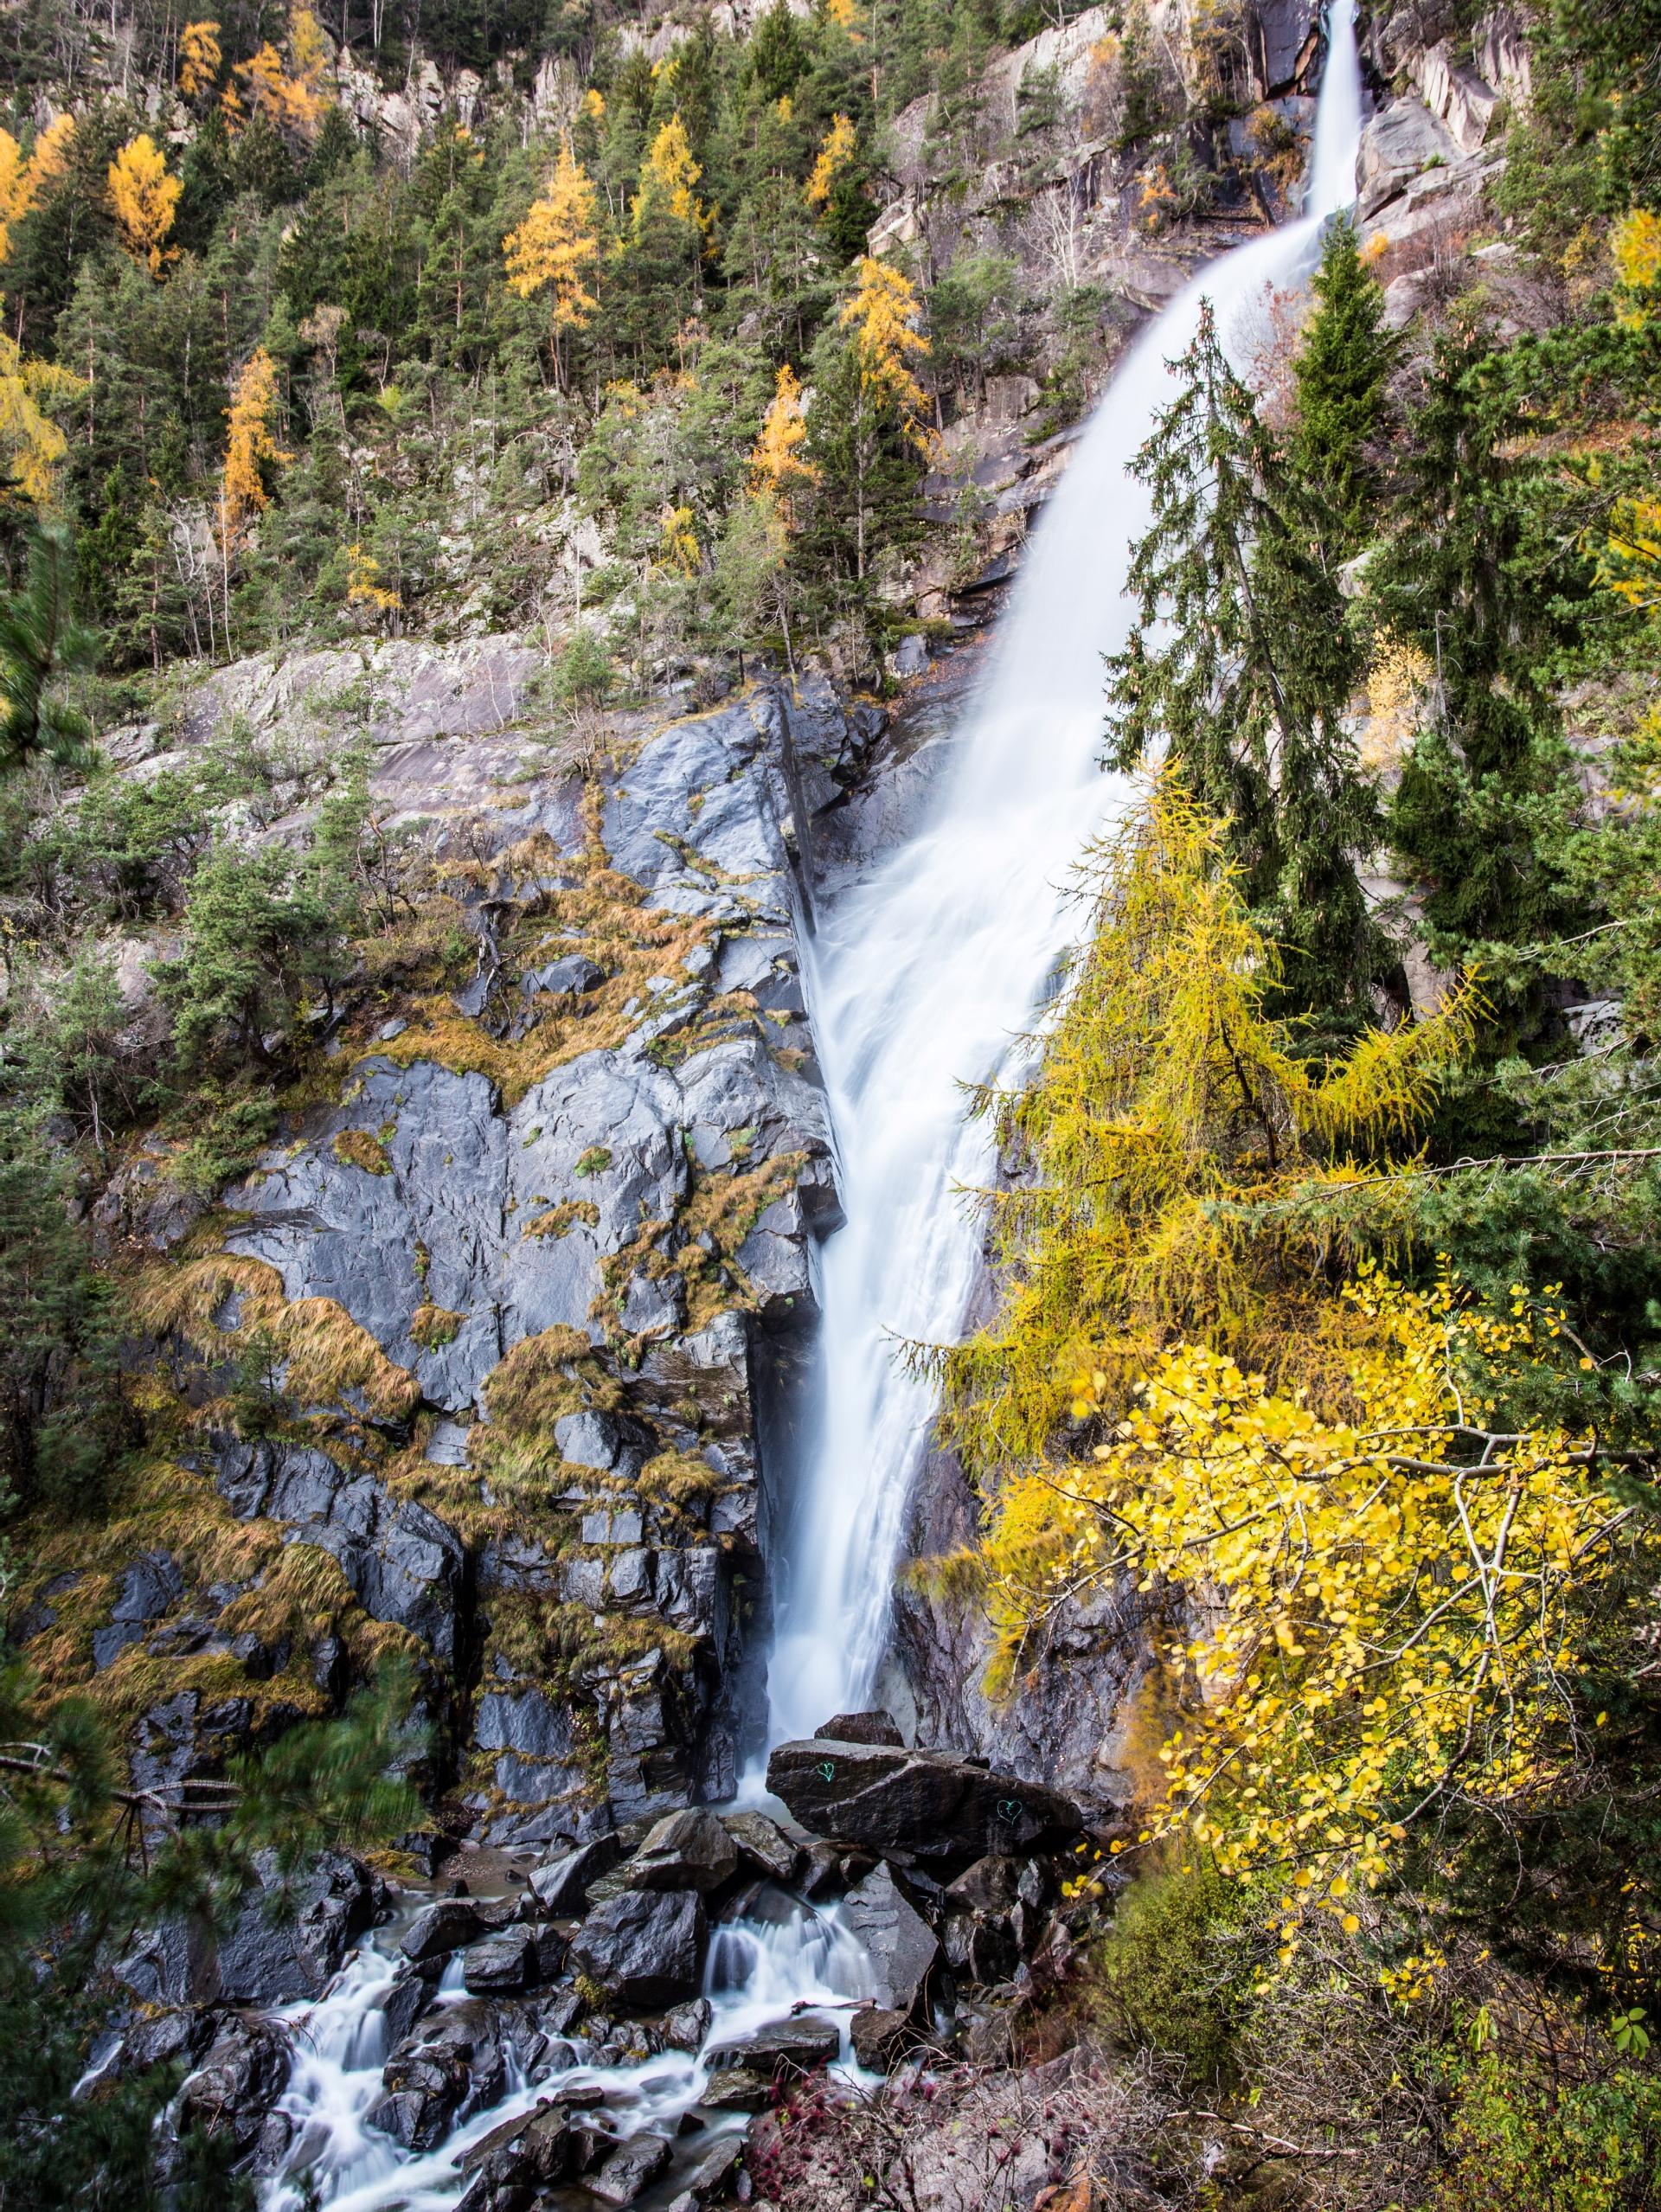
point(923, 978)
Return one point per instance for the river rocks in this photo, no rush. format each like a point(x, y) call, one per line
point(451, 2066)
point(631, 2170)
point(240, 2077)
point(900, 1944)
point(685, 2027)
point(763, 1844)
point(861, 1727)
point(266, 1959)
point(933, 1803)
point(879, 2034)
point(507, 2169)
point(440, 1928)
point(646, 1947)
point(560, 1885)
point(785, 2047)
point(501, 1964)
point(688, 1850)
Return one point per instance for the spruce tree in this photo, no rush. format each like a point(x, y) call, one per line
point(1239, 667)
point(1340, 374)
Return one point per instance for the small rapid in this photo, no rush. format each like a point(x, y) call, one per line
point(923, 978)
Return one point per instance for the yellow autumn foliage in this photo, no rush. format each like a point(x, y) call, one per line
point(200, 57)
point(557, 244)
point(836, 151)
point(144, 199)
point(250, 441)
point(883, 313)
point(1630, 565)
point(31, 444)
point(667, 177)
point(777, 462)
point(24, 177)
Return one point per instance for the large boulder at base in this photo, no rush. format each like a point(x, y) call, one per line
point(899, 1943)
point(930, 1802)
point(646, 1947)
point(440, 1928)
point(861, 1727)
point(685, 1850)
point(763, 1843)
point(451, 2067)
point(880, 2036)
point(631, 2170)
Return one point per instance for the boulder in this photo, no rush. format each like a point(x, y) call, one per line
point(685, 2028)
point(646, 1947)
point(933, 1802)
point(560, 1885)
point(785, 2047)
point(442, 1927)
point(501, 1964)
point(763, 1843)
point(269, 1960)
point(880, 2034)
point(899, 1943)
point(710, 2177)
point(861, 1727)
point(240, 2077)
point(631, 2170)
point(507, 2169)
point(687, 1850)
point(451, 2066)
point(736, 2089)
point(991, 1885)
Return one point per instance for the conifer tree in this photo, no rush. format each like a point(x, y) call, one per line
point(556, 245)
point(1239, 667)
point(1339, 376)
point(41, 641)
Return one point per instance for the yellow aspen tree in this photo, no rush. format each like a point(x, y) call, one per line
point(777, 462)
point(556, 245)
point(882, 316)
point(200, 57)
point(835, 153)
point(145, 199)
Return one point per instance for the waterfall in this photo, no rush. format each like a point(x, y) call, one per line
point(924, 976)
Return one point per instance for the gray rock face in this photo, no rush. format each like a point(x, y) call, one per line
point(933, 1803)
point(879, 2035)
point(646, 1946)
point(901, 1947)
point(763, 1844)
point(268, 1961)
point(240, 2077)
point(453, 2066)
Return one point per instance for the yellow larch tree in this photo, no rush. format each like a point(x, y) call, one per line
point(836, 151)
point(145, 199)
point(882, 315)
point(667, 177)
point(24, 178)
point(200, 57)
point(31, 444)
point(288, 97)
point(777, 462)
point(250, 443)
point(557, 245)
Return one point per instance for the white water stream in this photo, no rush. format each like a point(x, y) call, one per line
point(925, 977)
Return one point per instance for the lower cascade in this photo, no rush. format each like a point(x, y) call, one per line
point(746, 1943)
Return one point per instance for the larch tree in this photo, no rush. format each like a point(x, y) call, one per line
point(24, 177)
point(556, 246)
point(871, 429)
point(836, 151)
point(200, 58)
point(31, 444)
point(145, 200)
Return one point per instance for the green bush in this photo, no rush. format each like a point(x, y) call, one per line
point(1170, 1976)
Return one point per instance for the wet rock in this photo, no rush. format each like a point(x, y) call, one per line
point(562, 1885)
point(933, 1803)
point(631, 2170)
point(274, 1957)
point(901, 1947)
point(501, 1964)
point(784, 2046)
point(646, 1947)
point(443, 1926)
point(991, 1885)
point(685, 2028)
point(451, 2066)
point(688, 1850)
point(712, 2174)
point(408, 1997)
point(763, 1843)
point(735, 2089)
point(861, 1727)
point(880, 2034)
point(240, 2077)
point(507, 2169)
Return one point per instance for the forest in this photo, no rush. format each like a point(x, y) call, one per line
point(1322, 1325)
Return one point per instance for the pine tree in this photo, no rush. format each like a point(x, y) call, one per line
point(1238, 668)
point(1340, 374)
point(41, 641)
